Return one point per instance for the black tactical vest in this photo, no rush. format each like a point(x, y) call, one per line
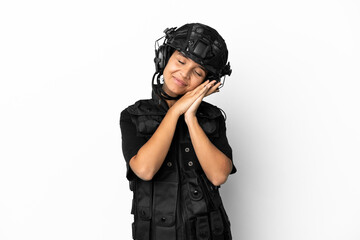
point(179, 203)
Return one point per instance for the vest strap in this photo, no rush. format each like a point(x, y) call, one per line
point(143, 211)
point(217, 225)
point(202, 228)
point(213, 193)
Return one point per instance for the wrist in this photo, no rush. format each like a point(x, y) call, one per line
point(173, 112)
point(190, 119)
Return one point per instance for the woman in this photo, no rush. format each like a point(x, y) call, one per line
point(175, 144)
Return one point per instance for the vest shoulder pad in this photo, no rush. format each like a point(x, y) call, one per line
point(146, 107)
point(146, 115)
point(207, 110)
point(210, 119)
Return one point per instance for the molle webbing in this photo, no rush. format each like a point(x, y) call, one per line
point(165, 198)
point(202, 228)
point(209, 226)
point(172, 206)
point(217, 225)
point(143, 210)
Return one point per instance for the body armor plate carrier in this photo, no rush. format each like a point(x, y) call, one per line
point(179, 203)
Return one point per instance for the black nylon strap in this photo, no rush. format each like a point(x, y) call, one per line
point(143, 213)
point(158, 88)
point(202, 228)
point(217, 225)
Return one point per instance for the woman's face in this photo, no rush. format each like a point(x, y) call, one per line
point(181, 74)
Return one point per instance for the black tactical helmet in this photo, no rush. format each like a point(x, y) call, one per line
point(199, 42)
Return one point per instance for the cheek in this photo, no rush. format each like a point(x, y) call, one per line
point(166, 72)
point(169, 68)
point(196, 82)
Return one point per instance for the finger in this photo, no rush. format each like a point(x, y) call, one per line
point(200, 87)
point(210, 85)
point(195, 93)
point(214, 88)
point(208, 88)
point(203, 90)
point(201, 95)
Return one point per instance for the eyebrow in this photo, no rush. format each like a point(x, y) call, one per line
point(194, 61)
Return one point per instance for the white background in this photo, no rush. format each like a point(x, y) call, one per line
point(67, 69)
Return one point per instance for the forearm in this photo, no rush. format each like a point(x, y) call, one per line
point(151, 155)
point(216, 165)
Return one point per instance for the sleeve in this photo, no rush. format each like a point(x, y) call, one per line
point(222, 143)
point(131, 143)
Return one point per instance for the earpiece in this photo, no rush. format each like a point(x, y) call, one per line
point(163, 52)
point(161, 57)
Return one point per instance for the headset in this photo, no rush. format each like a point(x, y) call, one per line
point(163, 52)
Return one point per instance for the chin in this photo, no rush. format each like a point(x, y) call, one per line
point(175, 92)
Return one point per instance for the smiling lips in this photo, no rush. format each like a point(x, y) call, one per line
point(180, 82)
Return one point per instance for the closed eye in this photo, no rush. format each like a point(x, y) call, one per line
point(199, 74)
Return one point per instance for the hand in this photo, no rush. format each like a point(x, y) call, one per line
point(210, 87)
point(214, 88)
point(182, 105)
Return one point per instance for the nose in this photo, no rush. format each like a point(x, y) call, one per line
point(185, 72)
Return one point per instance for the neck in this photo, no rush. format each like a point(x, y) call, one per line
point(170, 100)
point(170, 103)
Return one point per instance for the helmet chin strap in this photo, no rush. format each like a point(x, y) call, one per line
point(159, 90)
